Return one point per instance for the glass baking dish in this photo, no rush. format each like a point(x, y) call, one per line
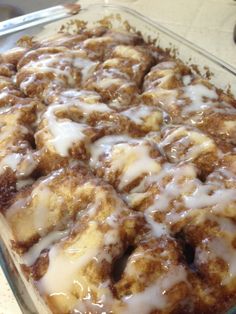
point(42, 24)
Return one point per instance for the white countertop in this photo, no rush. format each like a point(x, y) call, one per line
point(208, 23)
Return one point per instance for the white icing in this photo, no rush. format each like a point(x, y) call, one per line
point(82, 95)
point(197, 93)
point(137, 114)
point(28, 80)
point(88, 108)
point(226, 225)
point(113, 219)
point(181, 182)
point(11, 161)
point(85, 101)
point(196, 142)
point(54, 236)
point(187, 79)
point(172, 182)
point(107, 82)
point(41, 197)
point(225, 251)
point(59, 64)
point(219, 247)
point(16, 207)
point(161, 81)
point(24, 182)
point(207, 196)
point(28, 164)
point(5, 109)
point(62, 65)
point(166, 65)
point(65, 133)
point(65, 261)
point(111, 237)
point(97, 40)
point(103, 304)
point(128, 53)
point(104, 146)
point(87, 67)
point(22, 164)
point(158, 229)
point(133, 161)
point(133, 199)
point(163, 200)
point(122, 37)
point(184, 191)
point(154, 296)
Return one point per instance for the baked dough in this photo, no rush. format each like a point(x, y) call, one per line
point(118, 176)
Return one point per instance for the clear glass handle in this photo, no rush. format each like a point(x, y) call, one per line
point(39, 17)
